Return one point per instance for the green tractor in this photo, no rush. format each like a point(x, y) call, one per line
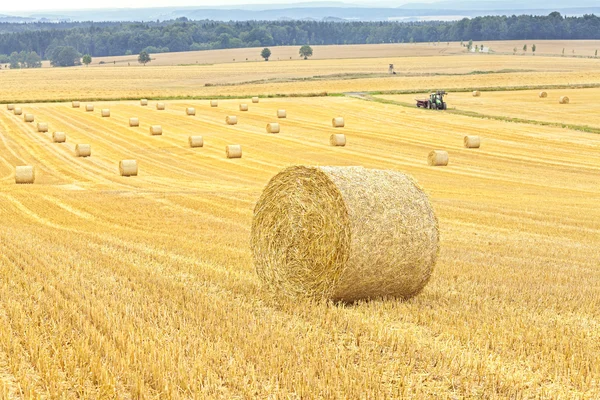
point(434, 102)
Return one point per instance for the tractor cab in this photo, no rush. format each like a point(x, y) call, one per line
point(435, 101)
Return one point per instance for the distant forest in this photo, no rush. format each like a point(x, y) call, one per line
point(119, 38)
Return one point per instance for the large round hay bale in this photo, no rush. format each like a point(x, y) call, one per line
point(281, 114)
point(59, 137)
point(273, 127)
point(160, 106)
point(89, 107)
point(10, 107)
point(18, 111)
point(231, 120)
point(472, 142)
point(214, 103)
point(543, 95)
point(476, 93)
point(156, 130)
point(233, 151)
point(243, 107)
point(75, 104)
point(42, 127)
point(128, 167)
point(28, 117)
point(105, 112)
point(563, 100)
point(255, 99)
point(134, 122)
point(144, 102)
point(337, 139)
point(344, 233)
point(190, 111)
point(24, 174)
point(196, 141)
point(83, 150)
point(338, 122)
point(438, 158)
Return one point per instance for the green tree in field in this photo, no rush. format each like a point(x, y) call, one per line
point(524, 48)
point(144, 58)
point(306, 51)
point(86, 59)
point(533, 48)
point(470, 45)
point(64, 56)
point(596, 54)
point(514, 51)
point(265, 53)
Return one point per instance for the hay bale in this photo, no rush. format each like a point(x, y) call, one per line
point(28, 117)
point(10, 107)
point(160, 106)
point(255, 99)
point(563, 100)
point(543, 95)
point(214, 103)
point(83, 150)
point(128, 167)
point(196, 141)
point(338, 122)
point(281, 114)
point(18, 111)
point(243, 107)
point(105, 112)
point(156, 130)
point(42, 127)
point(438, 158)
point(476, 93)
point(89, 107)
point(233, 151)
point(134, 122)
point(472, 142)
point(231, 120)
point(190, 111)
point(59, 137)
point(337, 139)
point(273, 127)
point(144, 102)
point(24, 174)
point(75, 104)
point(344, 233)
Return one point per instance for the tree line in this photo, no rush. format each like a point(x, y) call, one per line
point(120, 38)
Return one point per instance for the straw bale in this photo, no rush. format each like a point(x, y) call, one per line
point(337, 139)
point(231, 120)
point(59, 137)
point(344, 233)
point(75, 104)
point(338, 122)
point(563, 100)
point(128, 167)
point(160, 106)
point(273, 127)
point(24, 174)
point(134, 122)
point(476, 93)
point(543, 95)
point(438, 158)
point(196, 141)
point(89, 107)
point(472, 142)
point(105, 112)
point(190, 111)
point(243, 107)
point(255, 99)
point(281, 114)
point(233, 151)
point(28, 117)
point(42, 127)
point(83, 150)
point(214, 103)
point(10, 107)
point(156, 130)
point(18, 111)
point(144, 102)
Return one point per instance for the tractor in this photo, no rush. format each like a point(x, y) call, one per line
point(434, 102)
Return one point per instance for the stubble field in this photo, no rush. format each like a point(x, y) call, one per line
point(143, 287)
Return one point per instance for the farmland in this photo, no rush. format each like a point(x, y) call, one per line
point(143, 287)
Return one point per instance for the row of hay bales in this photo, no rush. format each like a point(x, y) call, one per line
point(541, 95)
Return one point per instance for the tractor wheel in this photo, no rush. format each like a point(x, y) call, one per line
point(445, 107)
point(429, 105)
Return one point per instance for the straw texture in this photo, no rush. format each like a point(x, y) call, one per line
point(24, 174)
point(42, 127)
point(134, 122)
point(128, 167)
point(10, 107)
point(337, 139)
point(144, 102)
point(105, 112)
point(438, 158)
point(233, 151)
point(28, 118)
point(543, 95)
point(160, 106)
point(18, 111)
point(190, 111)
point(89, 107)
point(344, 233)
point(338, 122)
point(196, 141)
point(472, 142)
point(281, 114)
point(273, 127)
point(231, 120)
point(75, 104)
point(156, 130)
point(476, 93)
point(243, 107)
point(59, 137)
point(83, 150)
point(563, 100)
point(255, 99)
point(214, 103)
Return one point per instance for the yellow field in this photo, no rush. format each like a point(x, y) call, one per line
point(143, 287)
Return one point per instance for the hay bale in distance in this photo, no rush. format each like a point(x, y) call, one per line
point(231, 120)
point(134, 122)
point(75, 104)
point(337, 139)
point(156, 130)
point(438, 158)
point(214, 103)
point(42, 127)
point(338, 122)
point(255, 99)
point(543, 95)
point(89, 107)
point(190, 111)
point(476, 93)
point(10, 107)
point(344, 233)
point(472, 142)
point(18, 111)
point(144, 102)
point(105, 112)
point(83, 150)
point(24, 174)
point(564, 100)
point(233, 151)
point(243, 107)
point(28, 117)
point(128, 167)
point(281, 114)
point(273, 127)
point(160, 106)
point(59, 137)
point(196, 141)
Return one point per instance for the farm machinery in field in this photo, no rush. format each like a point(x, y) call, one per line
point(434, 102)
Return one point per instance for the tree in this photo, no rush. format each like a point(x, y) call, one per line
point(265, 53)
point(470, 45)
point(87, 59)
point(533, 48)
point(524, 48)
point(514, 51)
point(596, 55)
point(144, 58)
point(64, 56)
point(306, 51)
